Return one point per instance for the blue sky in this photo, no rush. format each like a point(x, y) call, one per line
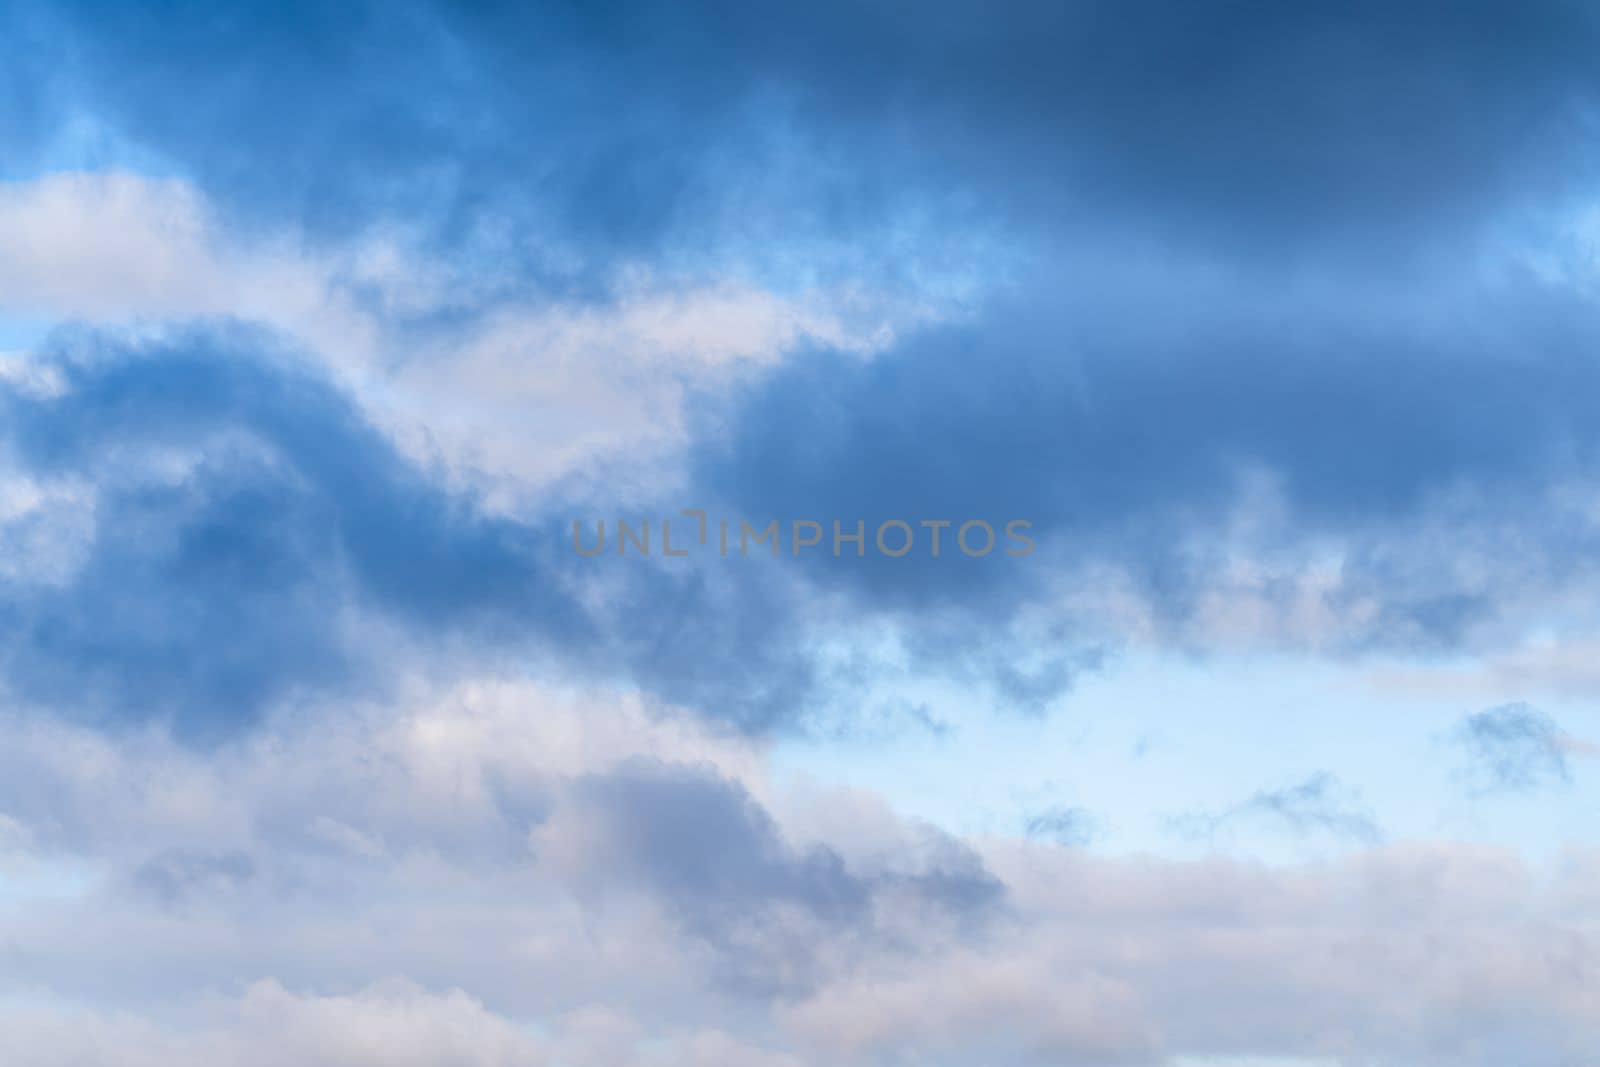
point(321, 328)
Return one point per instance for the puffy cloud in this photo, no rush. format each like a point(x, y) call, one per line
point(239, 507)
point(1225, 472)
point(1312, 456)
point(212, 527)
point(119, 246)
point(527, 387)
point(202, 483)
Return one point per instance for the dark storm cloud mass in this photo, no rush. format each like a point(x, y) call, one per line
point(218, 591)
point(1253, 125)
point(1128, 440)
point(250, 524)
point(243, 505)
point(1246, 231)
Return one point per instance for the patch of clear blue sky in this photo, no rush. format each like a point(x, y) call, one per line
point(1156, 738)
point(85, 143)
point(26, 881)
point(21, 332)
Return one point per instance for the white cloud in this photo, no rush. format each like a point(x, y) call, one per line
point(46, 527)
point(524, 390)
point(390, 1024)
point(120, 247)
point(372, 881)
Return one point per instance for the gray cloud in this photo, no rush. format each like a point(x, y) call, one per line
point(717, 861)
point(661, 899)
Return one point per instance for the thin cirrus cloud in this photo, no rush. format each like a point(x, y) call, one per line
point(1517, 748)
point(1320, 804)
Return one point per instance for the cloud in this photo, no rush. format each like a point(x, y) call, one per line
point(230, 460)
point(544, 858)
point(215, 528)
point(700, 845)
point(697, 840)
point(1318, 805)
point(1564, 665)
point(1070, 826)
point(524, 132)
point(528, 387)
point(229, 530)
point(388, 1023)
point(121, 247)
point(320, 746)
point(1249, 468)
point(1516, 748)
point(241, 508)
point(1218, 438)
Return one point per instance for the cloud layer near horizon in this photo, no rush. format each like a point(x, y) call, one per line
point(624, 876)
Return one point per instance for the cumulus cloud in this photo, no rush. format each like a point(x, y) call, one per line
point(220, 528)
point(573, 305)
point(236, 507)
point(525, 386)
point(120, 246)
point(1232, 470)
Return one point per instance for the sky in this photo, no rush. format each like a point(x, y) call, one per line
point(380, 383)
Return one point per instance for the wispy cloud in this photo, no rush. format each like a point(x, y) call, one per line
point(1517, 748)
point(1063, 825)
point(1320, 805)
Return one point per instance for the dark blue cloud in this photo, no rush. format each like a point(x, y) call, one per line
point(1126, 438)
point(1369, 128)
point(256, 538)
point(246, 513)
point(1349, 151)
